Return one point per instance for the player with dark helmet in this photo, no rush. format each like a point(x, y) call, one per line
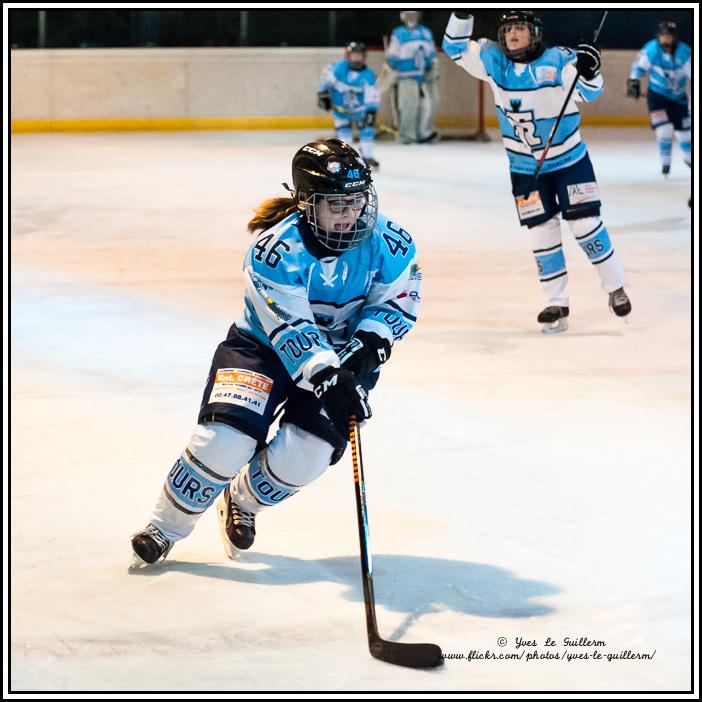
point(347, 89)
point(329, 286)
point(539, 121)
point(334, 190)
point(355, 54)
point(667, 63)
point(520, 35)
point(666, 33)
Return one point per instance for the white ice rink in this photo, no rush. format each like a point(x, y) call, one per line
point(519, 485)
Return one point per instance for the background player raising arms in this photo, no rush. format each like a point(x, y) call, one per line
point(530, 82)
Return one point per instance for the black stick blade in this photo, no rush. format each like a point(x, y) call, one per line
point(409, 655)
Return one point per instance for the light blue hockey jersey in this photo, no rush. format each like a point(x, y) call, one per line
point(352, 93)
point(528, 97)
point(307, 309)
point(668, 73)
point(411, 52)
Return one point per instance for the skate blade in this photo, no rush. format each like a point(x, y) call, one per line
point(229, 548)
point(557, 327)
point(137, 562)
point(624, 318)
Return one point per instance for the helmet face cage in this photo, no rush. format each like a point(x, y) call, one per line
point(364, 205)
point(410, 18)
point(511, 19)
point(334, 190)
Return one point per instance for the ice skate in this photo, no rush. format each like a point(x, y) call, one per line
point(431, 139)
point(149, 545)
point(665, 170)
point(554, 319)
point(619, 303)
point(236, 526)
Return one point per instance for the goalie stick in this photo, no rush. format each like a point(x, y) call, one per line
point(410, 655)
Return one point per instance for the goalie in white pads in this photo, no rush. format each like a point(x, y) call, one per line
point(331, 285)
point(530, 83)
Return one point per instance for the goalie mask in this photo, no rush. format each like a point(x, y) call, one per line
point(334, 191)
point(534, 45)
point(410, 18)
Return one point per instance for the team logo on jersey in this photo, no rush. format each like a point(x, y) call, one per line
point(524, 125)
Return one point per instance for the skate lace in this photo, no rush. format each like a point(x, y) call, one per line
point(157, 536)
point(241, 516)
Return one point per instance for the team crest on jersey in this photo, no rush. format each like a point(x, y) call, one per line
point(546, 73)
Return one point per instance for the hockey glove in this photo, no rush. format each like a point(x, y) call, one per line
point(364, 353)
point(369, 119)
point(324, 100)
point(589, 61)
point(633, 88)
point(341, 396)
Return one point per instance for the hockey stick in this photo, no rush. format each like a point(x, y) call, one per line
point(562, 112)
point(410, 655)
point(378, 125)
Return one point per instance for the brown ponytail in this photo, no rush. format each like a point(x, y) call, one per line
point(270, 212)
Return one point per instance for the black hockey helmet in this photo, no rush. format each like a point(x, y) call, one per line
point(667, 28)
point(356, 47)
point(332, 173)
point(535, 47)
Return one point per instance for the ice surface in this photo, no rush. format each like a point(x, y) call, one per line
point(518, 485)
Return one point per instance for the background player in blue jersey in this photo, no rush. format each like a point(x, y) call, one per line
point(331, 284)
point(530, 82)
point(411, 54)
point(348, 88)
point(667, 63)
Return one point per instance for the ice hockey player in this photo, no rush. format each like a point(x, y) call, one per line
point(411, 54)
point(530, 83)
point(667, 63)
point(348, 88)
point(330, 285)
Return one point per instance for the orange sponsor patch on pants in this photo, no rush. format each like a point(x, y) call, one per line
point(238, 386)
